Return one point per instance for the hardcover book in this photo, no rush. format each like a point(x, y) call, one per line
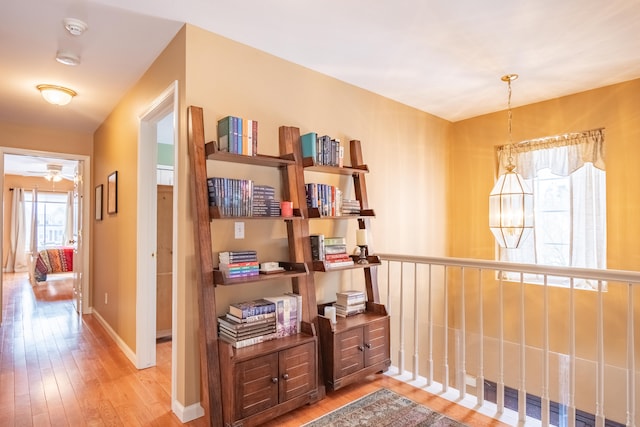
point(251, 308)
point(308, 142)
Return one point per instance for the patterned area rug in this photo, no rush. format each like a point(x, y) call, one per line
point(383, 408)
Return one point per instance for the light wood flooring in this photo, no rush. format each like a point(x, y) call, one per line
point(61, 369)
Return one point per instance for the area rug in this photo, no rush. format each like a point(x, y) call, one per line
point(383, 408)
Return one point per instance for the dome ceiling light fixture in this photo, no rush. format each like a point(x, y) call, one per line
point(67, 58)
point(56, 95)
point(74, 26)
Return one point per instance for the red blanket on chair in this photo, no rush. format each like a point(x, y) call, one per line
point(53, 261)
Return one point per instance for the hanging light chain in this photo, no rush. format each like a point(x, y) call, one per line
point(509, 78)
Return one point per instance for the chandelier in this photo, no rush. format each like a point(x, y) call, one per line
point(510, 200)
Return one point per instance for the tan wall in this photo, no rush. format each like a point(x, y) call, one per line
point(44, 139)
point(472, 174)
point(406, 151)
point(28, 183)
point(114, 238)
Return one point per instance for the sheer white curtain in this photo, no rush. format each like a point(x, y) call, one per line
point(17, 257)
point(579, 156)
point(68, 226)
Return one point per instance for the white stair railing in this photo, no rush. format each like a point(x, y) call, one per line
point(449, 330)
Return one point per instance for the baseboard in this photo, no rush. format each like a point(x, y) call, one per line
point(163, 334)
point(116, 338)
point(188, 413)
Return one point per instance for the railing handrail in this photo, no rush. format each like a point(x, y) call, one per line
point(628, 276)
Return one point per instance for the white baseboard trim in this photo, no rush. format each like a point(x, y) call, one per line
point(119, 342)
point(189, 413)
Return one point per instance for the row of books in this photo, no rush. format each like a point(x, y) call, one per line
point(350, 303)
point(238, 135)
point(252, 322)
point(242, 197)
point(331, 250)
point(326, 198)
point(239, 263)
point(324, 150)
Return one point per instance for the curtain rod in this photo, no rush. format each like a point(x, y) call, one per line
point(566, 136)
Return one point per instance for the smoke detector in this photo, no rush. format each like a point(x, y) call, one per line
point(75, 26)
point(67, 58)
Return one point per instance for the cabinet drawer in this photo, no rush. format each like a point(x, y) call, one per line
point(256, 385)
point(297, 371)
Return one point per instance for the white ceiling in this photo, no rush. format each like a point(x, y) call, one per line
point(443, 57)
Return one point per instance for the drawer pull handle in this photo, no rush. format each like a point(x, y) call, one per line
point(274, 380)
point(285, 376)
point(368, 345)
point(361, 348)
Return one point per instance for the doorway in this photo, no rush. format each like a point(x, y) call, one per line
point(156, 238)
point(52, 173)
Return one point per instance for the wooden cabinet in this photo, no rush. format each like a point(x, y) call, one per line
point(353, 348)
point(268, 379)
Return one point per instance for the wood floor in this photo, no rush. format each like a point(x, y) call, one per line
point(60, 369)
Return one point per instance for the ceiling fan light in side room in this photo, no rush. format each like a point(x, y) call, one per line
point(54, 173)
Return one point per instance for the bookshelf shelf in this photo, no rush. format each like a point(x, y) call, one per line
point(314, 213)
point(214, 213)
point(212, 153)
point(309, 165)
point(291, 270)
point(325, 266)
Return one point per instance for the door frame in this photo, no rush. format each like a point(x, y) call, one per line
point(86, 216)
point(146, 292)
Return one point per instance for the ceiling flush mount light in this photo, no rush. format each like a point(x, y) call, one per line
point(74, 26)
point(54, 173)
point(56, 95)
point(511, 200)
point(67, 58)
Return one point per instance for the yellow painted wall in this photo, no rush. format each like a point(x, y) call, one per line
point(472, 174)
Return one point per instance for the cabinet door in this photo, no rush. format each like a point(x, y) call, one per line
point(349, 352)
point(376, 341)
point(256, 385)
point(297, 371)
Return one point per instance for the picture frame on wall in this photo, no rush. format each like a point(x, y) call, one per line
point(99, 203)
point(112, 193)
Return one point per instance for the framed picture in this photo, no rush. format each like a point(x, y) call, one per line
point(112, 193)
point(99, 203)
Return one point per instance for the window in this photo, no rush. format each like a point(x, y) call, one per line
point(567, 177)
point(52, 218)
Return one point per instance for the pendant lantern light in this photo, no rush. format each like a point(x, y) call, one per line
point(511, 200)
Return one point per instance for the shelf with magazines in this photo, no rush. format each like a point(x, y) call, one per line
point(290, 270)
point(290, 377)
point(342, 361)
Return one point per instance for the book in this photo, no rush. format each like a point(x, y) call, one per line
point(308, 142)
point(251, 308)
point(335, 241)
point(342, 256)
point(298, 309)
point(338, 264)
point(251, 319)
point(225, 133)
point(334, 249)
point(249, 341)
point(317, 246)
point(286, 324)
point(248, 333)
point(243, 326)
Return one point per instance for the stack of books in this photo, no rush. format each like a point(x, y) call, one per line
point(349, 207)
point(233, 197)
point(264, 202)
point(324, 150)
point(237, 135)
point(239, 263)
point(335, 252)
point(288, 313)
point(350, 303)
point(248, 323)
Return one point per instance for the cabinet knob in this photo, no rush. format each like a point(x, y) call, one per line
point(368, 345)
point(274, 380)
point(361, 348)
point(285, 376)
